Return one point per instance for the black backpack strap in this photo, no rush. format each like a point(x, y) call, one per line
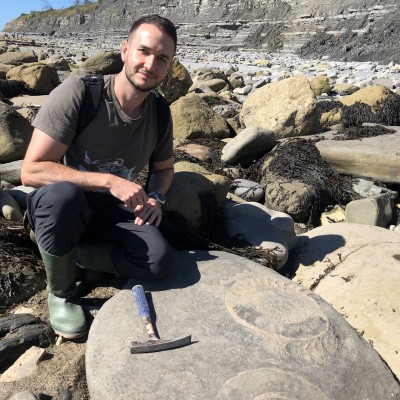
point(94, 84)
point(163, 117)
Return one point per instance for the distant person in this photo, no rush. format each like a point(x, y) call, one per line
point(89, 209)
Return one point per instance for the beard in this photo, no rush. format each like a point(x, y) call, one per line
point(142, 87)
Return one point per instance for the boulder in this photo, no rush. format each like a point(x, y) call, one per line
point(251, 144)
point(373, 157)
point(356, 269)
point(190, 180)
point(371, 95)
point(177, 82)
point(107, 62)
point(275, 230)
point(236, 81)
point(288, 108)
point(377, 210)
point(255, 335)
point(57, 62)
point(320, 84)
point(193, 118)
point(294, 197)
point(11, 172)
point(15, 134)
point(40, 78)
point(18, 57)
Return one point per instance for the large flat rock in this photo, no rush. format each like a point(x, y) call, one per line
point(376, 157)
point(255, 334)
point(356, 269)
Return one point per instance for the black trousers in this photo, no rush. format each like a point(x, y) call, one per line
point(62, 215)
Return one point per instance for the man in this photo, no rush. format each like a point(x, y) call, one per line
point(89, 210)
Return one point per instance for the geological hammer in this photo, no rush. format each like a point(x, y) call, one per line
point(153, 343)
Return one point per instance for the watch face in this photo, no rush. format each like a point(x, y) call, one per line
point(160, 197)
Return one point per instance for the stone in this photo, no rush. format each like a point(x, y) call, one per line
point(388, 83)
point(25, 395)
point(243, 90)
point(344, 89)
point(236, 81)
point(356, 269)
point(15, 134)
point(202, 153)
point(25, 366)
point(377, 210)
point(9, 208)
point(11, 172)
point(255, 334)
point(18, 333)
point(58, 62)
point(105, 62)
point(40, 78)
point(294, 198)
point(367, 188)
point(28, 101)
point(189, 181)
point(320, 84)
point(177, 82)
point(4, 68)
point(373, 157)
point(247, 190)
point(18, 57)
point(193, 118)
point(251, 144)
point(288, 108)
point(275, 230)
point(371, 95)
point(216, 84)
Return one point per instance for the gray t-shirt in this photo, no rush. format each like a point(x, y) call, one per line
point(113, 142)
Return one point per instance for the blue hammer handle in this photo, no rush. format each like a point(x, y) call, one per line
point(141, 302)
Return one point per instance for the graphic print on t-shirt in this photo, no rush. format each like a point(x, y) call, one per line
point(111, 166)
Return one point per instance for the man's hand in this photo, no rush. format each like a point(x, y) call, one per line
point(149, 213)
point(130, 193)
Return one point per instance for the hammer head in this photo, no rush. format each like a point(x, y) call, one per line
point(155, 344)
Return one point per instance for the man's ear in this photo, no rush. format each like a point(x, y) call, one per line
point(124, 51)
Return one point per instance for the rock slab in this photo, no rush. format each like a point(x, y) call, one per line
point(356, 269)
point(255, 334)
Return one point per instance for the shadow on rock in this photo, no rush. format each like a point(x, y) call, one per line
point(300, 255)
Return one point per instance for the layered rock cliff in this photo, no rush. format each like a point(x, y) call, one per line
point(311, 28)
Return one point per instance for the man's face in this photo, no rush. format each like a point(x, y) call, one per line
point(147, 56)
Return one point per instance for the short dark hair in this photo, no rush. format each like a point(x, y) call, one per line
point(163, 24)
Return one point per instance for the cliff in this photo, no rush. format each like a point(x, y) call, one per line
point(342, 28)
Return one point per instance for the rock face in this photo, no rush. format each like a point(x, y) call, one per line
point(271, 25)
point(254, 334)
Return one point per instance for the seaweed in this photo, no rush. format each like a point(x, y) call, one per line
point(361, 132)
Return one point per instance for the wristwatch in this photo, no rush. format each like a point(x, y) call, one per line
point(159, 197)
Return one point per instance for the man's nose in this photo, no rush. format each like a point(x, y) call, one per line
point(149, 63)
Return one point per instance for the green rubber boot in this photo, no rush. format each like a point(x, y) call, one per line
point(66, 314)
point(96, 256)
